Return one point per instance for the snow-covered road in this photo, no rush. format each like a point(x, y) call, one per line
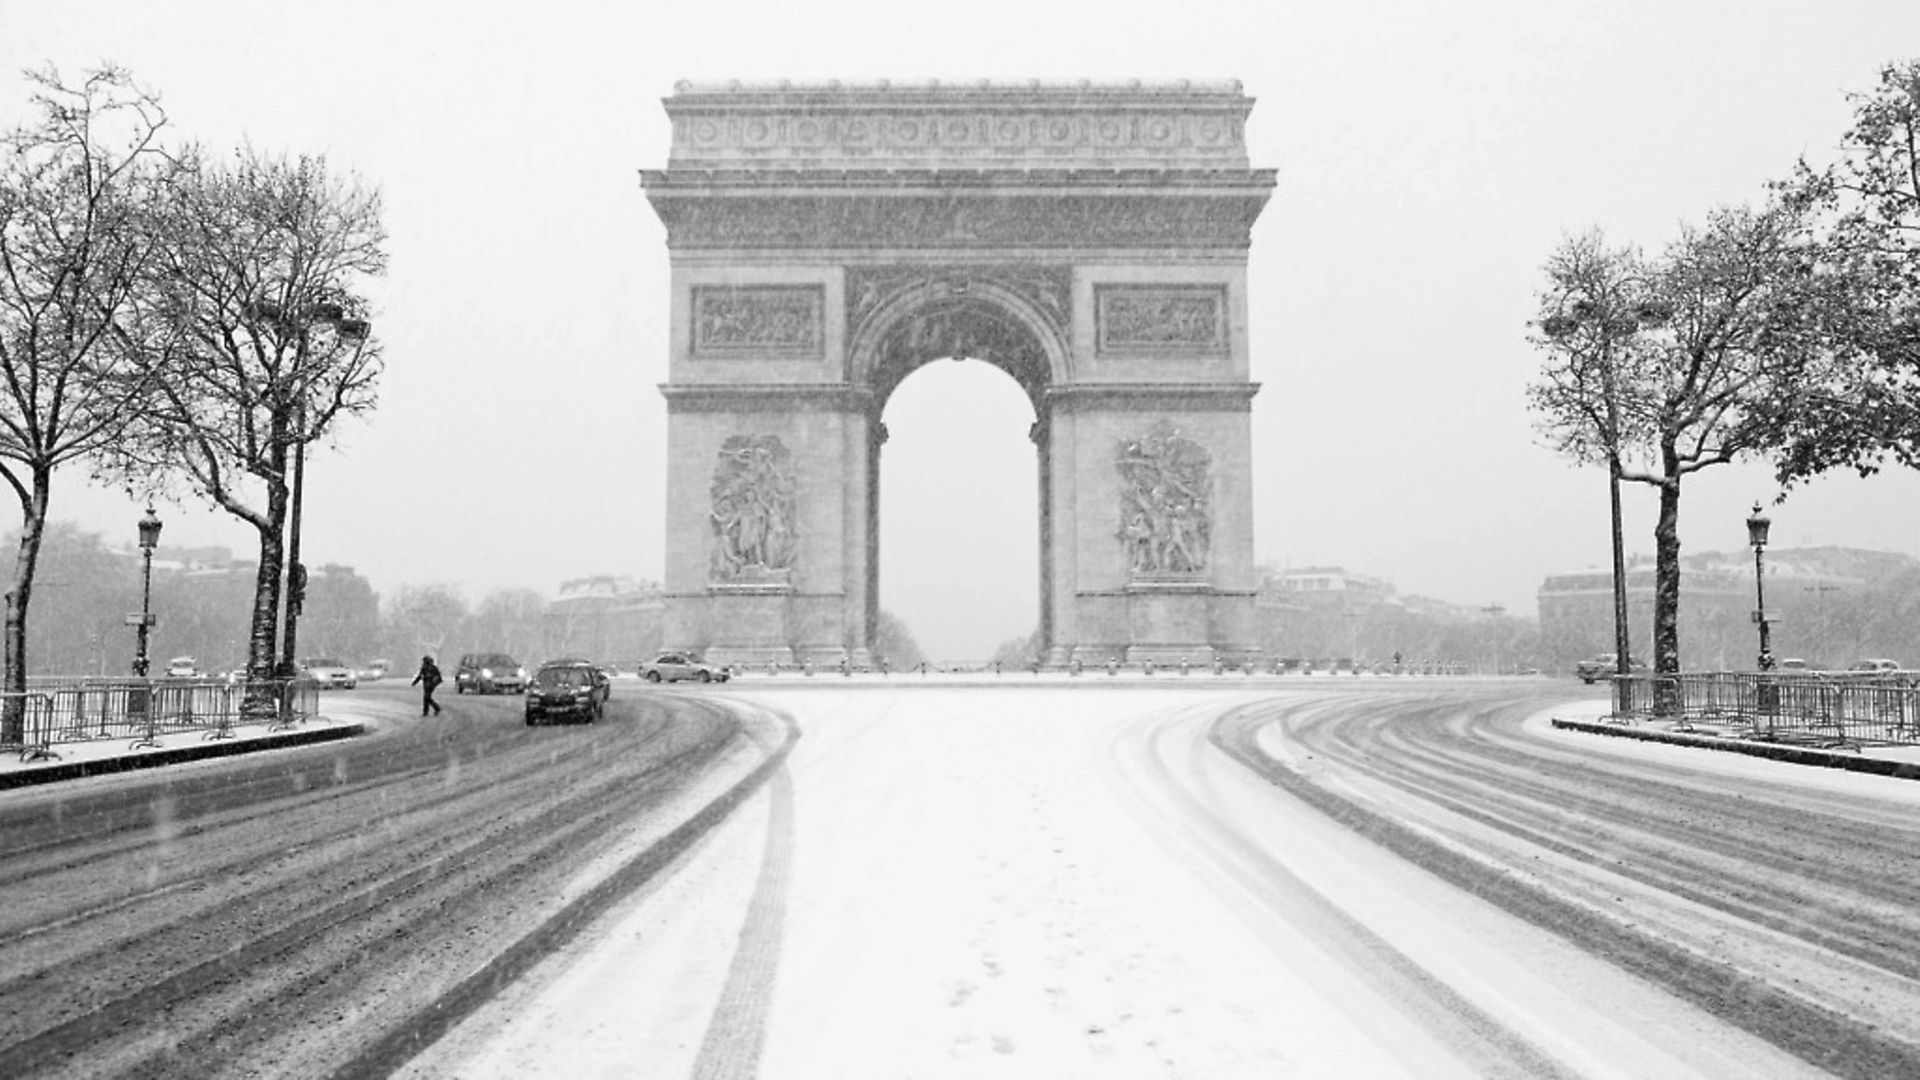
point(1054, 883)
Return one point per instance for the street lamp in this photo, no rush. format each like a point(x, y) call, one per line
point(1757, 525)
point(1493, 613)
point(352, 330)
point(149, 539)
point(1612, 318)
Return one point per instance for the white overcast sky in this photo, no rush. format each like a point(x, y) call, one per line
point(1430, 155)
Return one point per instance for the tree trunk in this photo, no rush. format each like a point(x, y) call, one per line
point(1666, 595)
point(33, 527)
point(263, 634)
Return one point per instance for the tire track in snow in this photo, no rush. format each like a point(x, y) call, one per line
point(1811, 1032)
point(435, 1019)
point(1474, 1036)
point(737, 1032)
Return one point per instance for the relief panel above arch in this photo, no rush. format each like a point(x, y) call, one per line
point(1169, 322)
point(747, 325)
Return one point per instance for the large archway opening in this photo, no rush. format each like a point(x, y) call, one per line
point(959, 510)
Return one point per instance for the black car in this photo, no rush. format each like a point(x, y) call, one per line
point(489, 673)
point(567, 690)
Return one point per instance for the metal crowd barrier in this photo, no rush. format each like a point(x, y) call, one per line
point(1832, 709)
point(73, 710)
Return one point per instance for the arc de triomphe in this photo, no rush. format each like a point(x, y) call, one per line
point(1090, 240)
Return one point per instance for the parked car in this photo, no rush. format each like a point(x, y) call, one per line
point(328, 673)
point(679, 667)
point(1876, 666)
point(1591, 671)
point(1794, 664)
point(183, 667)
point(377, 669)
point(567, 689)
point(489, 673)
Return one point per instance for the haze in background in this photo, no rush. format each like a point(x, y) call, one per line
point(1430, 157)
point(960, 510)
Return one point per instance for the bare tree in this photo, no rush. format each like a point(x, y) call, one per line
point(1706, 350)
point(72, 254)
point(893, 642)
point(1599, 299)
point(425, 616)
point(259, 341)
point(513, 620)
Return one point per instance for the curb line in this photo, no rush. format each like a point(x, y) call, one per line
point(129, 762)
point(1797, 755)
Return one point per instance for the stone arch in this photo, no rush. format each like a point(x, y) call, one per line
point(962, 317)
point(827, 240)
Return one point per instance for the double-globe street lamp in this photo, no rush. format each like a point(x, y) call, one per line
point(149, 539)
point(1612, 318)
point(1757, 526)
point(349, 329)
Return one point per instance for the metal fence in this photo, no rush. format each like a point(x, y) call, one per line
point(1829, 709)
point(143, 711)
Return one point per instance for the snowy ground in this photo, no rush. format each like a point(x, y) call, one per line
point(997, 882)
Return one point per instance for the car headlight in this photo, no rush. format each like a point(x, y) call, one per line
point(522, 672)
point(486, 673)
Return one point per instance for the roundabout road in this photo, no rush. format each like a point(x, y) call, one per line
point(301, 911)
point(1231, 879)
point(1208, 879)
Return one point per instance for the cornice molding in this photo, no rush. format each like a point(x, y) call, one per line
point(1152, 397)
point(728, 181)
point(764, 397)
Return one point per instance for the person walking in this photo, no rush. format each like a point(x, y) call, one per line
point(428, 678)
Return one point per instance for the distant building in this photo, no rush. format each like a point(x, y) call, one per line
point(1327, 586)
point(1327, 613)
point(1820, 604)
point(605, 617)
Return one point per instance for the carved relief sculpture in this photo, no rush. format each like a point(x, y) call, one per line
point(1165, 493)
point(1049, 288)
point(757, 321)
point(1159, 319)
point(752, 512)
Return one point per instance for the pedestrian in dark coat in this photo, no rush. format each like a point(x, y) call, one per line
point(428, 678)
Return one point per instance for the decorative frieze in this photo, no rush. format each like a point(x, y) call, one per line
point(758, 321)
point(1048, 288)
point(703, 219)
point(1161, 320)
point(752, 511)
point(1166, 494)
point(1195, 125)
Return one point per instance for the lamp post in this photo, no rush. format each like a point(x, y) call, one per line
point(1757, 525)
point(350, 330)
point(149, 539)
point(1493, 612)
point(1622, 638)
point(1610, 317)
